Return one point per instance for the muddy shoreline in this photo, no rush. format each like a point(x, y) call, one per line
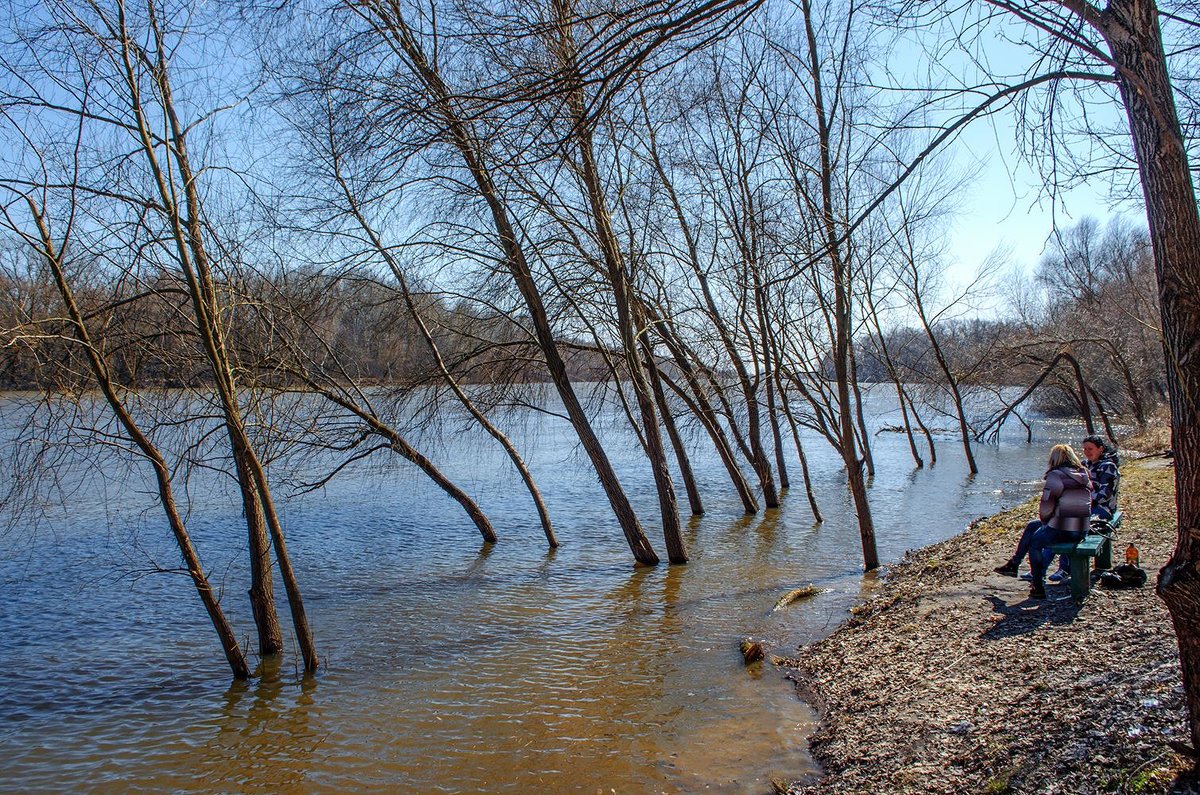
point(952, 680)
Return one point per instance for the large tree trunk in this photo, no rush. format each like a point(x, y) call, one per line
point(1132, 31)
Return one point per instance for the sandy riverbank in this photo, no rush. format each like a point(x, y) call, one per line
point(952, 680)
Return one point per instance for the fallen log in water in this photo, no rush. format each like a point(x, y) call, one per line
point(792, 596)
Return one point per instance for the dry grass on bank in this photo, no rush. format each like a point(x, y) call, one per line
point(1154, 439)
point(953, 681)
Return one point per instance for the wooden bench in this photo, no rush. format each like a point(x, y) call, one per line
point(1093, 545)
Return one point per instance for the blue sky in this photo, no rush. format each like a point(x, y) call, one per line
point(1003, 206)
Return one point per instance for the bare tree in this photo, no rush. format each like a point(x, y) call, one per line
point(99, 363)
point(117, 66)
point(449, 122)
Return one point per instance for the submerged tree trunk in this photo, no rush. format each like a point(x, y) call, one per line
point(431, 344)
point(776, 435)
point(179, 194)
point(442, 105)
point(619, 281)
point(291, 585)
point(960, 411)
point(908, 431)
point(162, 473)
point(787, 413)
point(847, 432)
point(262, 591)
point(698, 404)
point(859, 415)
point(402, 447)
point(681, 455)
point(924, 428)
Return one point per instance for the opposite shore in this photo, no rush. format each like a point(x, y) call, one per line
point(952, 680)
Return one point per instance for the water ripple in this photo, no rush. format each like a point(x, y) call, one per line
point(450, 667)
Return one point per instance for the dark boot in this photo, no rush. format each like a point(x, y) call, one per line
point(1037, 591)
point(1009, 569)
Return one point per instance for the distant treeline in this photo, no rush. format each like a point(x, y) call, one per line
point(1084, 324)
point(365, 328)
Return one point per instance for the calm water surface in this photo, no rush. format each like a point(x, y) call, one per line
point(451, 668)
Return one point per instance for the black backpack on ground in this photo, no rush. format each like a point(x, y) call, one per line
point(1124, 576)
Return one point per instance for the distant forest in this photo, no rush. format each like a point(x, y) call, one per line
point(1085, 318)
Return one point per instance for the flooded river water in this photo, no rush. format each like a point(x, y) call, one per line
point(447, 667)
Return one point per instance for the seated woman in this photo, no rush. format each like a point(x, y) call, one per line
point(1063, 515)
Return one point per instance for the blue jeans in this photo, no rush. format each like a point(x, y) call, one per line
point(1039, 548)
point(1026, 539)
point(1023, 545)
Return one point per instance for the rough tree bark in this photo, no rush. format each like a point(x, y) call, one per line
point(1131, 31)
point(1131, 28)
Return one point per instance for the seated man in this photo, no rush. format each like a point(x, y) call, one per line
point(1101, 462)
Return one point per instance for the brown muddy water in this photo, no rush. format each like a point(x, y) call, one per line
point(447, 667)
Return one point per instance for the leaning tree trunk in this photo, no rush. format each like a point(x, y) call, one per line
point(924, 428)
point(626, 320)
point(162, 473)
point(1132, 31)
point(619, 280)
point(180, 205)
point(1085, 405)
point(444, 369)
point(403, 448)
point(703, 411)
point(964, 428)
point(460, 136)
point(847, 432)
